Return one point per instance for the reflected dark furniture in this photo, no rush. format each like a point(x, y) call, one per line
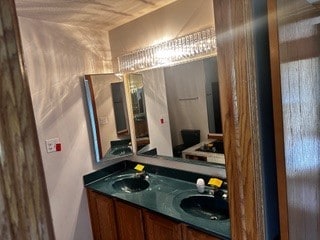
point(190, 138)
point(151, 152)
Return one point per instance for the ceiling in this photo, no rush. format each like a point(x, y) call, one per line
point(96, 14)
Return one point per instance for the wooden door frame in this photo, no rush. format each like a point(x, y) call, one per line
point(24, 203)
point(278, 118)
point(240, 115)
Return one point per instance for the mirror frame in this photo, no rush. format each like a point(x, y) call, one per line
point(240, 121)
point(93, 118)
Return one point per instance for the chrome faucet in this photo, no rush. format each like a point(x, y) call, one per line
point(218, 192)
point(142, 174)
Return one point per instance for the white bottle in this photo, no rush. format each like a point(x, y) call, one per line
point(200, 185)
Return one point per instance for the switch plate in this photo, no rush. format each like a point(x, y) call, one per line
point(51, 144)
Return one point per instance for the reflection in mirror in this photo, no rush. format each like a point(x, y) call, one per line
point(183, 107)
point(107, 108)
point(120, 109)
point(139, 110)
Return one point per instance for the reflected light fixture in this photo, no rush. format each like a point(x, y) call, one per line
point(192, 46)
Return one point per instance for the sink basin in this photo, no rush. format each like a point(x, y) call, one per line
point(206, 206)
point(131, 184)
point(121, 151)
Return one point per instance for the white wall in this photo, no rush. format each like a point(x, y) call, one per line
point(177, 19)
point(56, 57)
point(186, 95)
point(157, 108)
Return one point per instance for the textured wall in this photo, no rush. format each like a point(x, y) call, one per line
point(300, 78)
point(176, 19)
point(186, 95)
point(57, 56)
point(157, 108)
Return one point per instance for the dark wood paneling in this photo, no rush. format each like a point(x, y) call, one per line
point(191, 234)
point(24, 205)
point(93, 214)
point(102, 215)
point(161, 228)
point(108, 227)
point(129, 222)
point(236, 66)
point(278, 120)
point(296, 87)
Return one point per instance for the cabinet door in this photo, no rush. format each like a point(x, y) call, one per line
point(192, 234)
point(129, 221)
point(102, 216)
point(161, 228)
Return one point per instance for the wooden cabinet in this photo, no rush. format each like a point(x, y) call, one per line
point(113, 219)
point(102, 216)
point(161, 228)
point(192, 234)
point(129, 221)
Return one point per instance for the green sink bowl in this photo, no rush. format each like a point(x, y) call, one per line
point(121, 151)
point(205, 206)
point(131, 184)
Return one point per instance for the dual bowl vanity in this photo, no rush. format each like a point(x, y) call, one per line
point(155, 203)
point(158, 203)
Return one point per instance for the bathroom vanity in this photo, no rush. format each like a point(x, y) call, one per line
point(156, 203)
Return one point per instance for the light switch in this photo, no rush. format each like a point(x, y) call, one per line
point(51, 144)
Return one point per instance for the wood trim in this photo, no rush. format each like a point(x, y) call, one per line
point(278, 118)
point(24, 204)
point(236, 67)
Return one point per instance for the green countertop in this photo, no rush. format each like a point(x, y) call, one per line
point(162, 196)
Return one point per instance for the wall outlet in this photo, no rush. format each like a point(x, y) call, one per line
point(51, 144)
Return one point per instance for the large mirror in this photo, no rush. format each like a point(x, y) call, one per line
point(183, 108)
point(107, 107)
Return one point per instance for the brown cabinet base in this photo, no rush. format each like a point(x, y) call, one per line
point(129, 222)
point(113, 219)
point(102, 216)
point(192, 234)
point(161, 228)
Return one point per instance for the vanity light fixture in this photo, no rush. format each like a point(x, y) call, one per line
point(195, 45)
